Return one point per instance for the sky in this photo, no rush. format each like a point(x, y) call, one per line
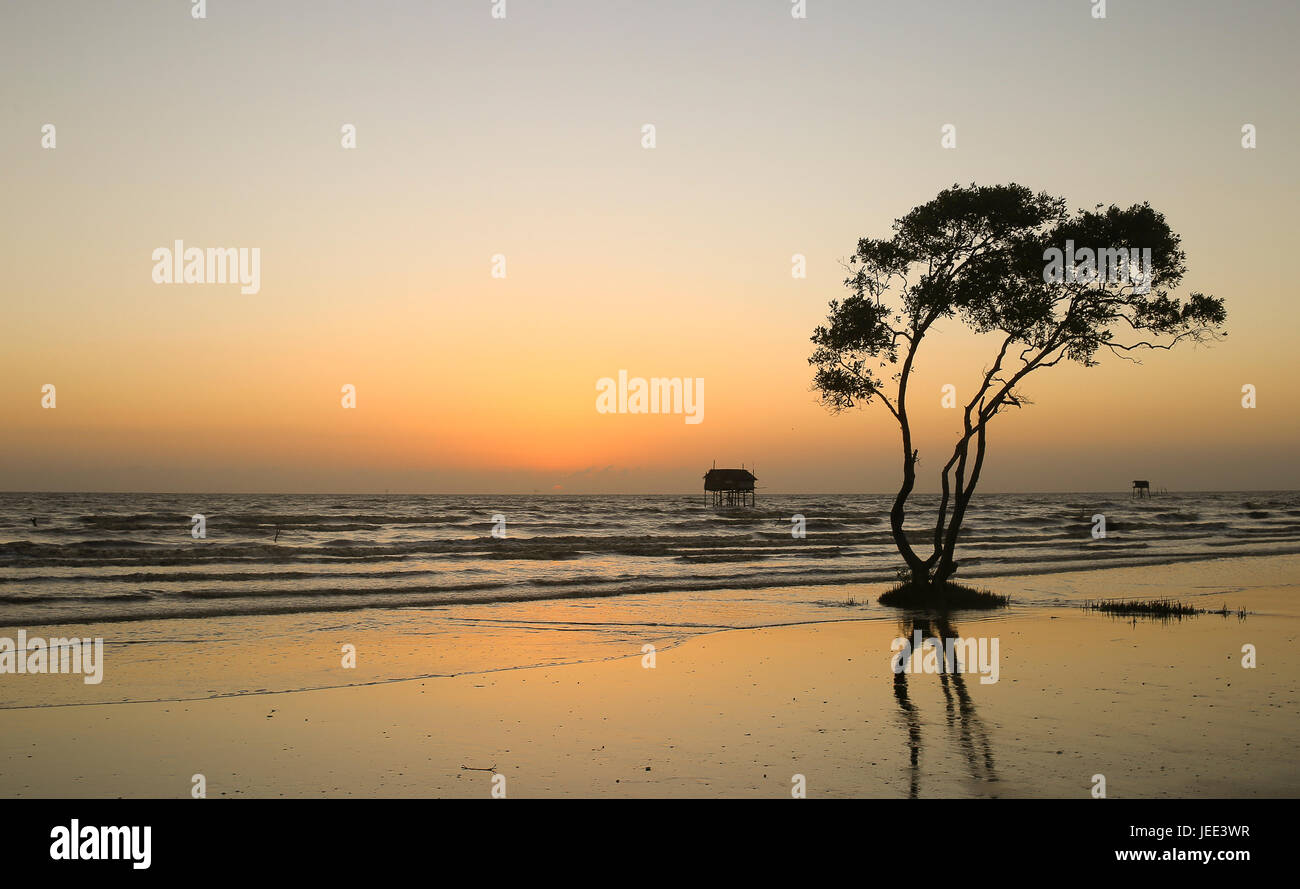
point(522, 137)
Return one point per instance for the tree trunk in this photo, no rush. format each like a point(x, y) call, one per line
point(947, 565)
point(915, 564)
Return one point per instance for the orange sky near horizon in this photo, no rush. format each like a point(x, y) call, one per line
point(522, 138)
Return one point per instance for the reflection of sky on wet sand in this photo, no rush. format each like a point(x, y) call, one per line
point(1158, 709)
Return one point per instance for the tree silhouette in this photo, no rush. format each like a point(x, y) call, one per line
point(990, 257)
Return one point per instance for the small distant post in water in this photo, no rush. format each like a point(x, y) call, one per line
point(1141, 488)
point(730, 487)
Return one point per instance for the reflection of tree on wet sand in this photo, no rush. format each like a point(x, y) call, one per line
point(962, 720)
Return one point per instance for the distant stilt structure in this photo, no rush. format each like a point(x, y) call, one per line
point(730, 487)
point(1141, 488)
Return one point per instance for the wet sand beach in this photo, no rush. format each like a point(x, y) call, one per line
point(1159, 709)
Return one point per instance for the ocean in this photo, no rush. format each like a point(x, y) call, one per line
point(90, 558)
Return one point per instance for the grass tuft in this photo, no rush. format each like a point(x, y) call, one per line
point(1162, 609)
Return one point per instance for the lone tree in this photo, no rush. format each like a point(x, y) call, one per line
point(995, 258)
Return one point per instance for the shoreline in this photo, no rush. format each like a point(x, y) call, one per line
point(217, 646)
point(722, 585)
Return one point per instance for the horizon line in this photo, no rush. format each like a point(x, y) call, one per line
point(536, 493)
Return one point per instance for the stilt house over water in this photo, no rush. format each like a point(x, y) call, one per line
point(730, 487)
